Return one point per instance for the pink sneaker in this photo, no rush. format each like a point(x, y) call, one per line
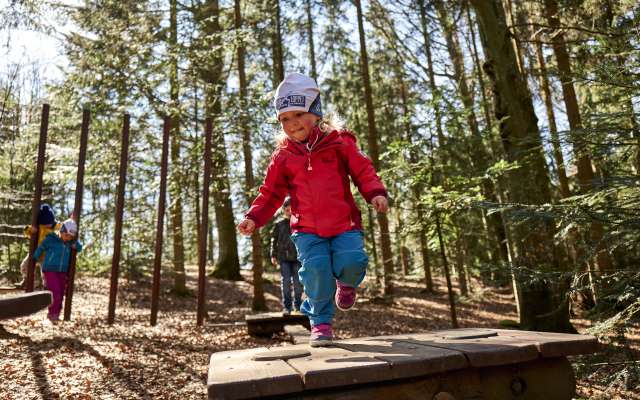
point(321, 335)
point(345, 296)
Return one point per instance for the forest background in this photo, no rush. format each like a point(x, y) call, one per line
point(506, 131)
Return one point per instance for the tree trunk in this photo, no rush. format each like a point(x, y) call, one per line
point(543, 301)
point(435, 92)
point(228, 264)
point(585, 169)
point(383, 222)
point(276, 43)
point(551, 117)
point(460, 261)
point(258, 303)
point(479, 154)
point(424, 243)
point(312, 51)
point(179, 280)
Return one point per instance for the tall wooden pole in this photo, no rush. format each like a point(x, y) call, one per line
point(155, 291)
point(77, 208)
point(115, 261)
point(37, 194)
point(204, 224)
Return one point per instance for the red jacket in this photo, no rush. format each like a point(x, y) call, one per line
point(317, 181)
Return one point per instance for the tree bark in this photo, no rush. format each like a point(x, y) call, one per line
point(551, 117)
point(276, 44)
point(479, 154)
point(583, 161)
point(312, 51)
point(258, 303)
point(179, 280)
point(228, 264)
point(543, 301)
point(383, 221)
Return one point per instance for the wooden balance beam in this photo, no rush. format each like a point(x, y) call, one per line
point(24, 304)
point(267, 324)
point(489, 364)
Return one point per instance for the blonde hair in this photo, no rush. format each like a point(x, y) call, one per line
point(329, 123)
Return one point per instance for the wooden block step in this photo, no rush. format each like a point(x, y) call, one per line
point(233, 375)
point(21, 305)
point(551, 344)
point(407, 359)
point(485, 365)
point(267, 324)
point(482, 351)
point(298, 334)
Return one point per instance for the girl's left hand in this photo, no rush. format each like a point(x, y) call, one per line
point(380, 204)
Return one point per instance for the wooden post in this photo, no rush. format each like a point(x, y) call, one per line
point(115, 261)
point(37, 194)
point(204, 224)
point(77, 208)
point(160, 224)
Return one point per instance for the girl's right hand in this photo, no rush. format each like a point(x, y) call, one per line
point(246, 227)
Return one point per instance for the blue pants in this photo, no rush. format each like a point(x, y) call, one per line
point(289, 272)
point(323, 261)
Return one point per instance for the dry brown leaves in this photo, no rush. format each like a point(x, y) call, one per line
point(86, 358)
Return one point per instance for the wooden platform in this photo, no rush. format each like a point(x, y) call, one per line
point(267, 324)
point(24, 304)
point(442, 365)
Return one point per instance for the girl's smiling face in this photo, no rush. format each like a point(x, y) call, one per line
point(298, 124)
point(66, 236)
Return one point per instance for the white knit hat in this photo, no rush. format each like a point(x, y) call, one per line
point(69, 226)
point(298, 92)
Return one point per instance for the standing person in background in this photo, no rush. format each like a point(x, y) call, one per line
point(55, 267)
point(46, 225)
point(313, 161)
point(283, 253)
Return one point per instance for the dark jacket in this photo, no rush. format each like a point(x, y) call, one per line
point(282, 247)
point(318, 182)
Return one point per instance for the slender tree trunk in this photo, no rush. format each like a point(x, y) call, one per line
point(228, 264)
point(179, 280)
point(447, 275)
point(276, 43)
point(460, 261)
point(258, 303)
point(479, 154)
point(417, 188)
point(424, 243)
point(383, 221)
point(583, 161)
point(312, 52)
point(441, 144)
point(508, 5)
point(543, 302)
point(551, 117)
point(435, 91)
point(212, 244)
point(374, 247)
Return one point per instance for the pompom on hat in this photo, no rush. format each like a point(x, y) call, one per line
point(298, 92)
point(45, 215)
point(69, 226)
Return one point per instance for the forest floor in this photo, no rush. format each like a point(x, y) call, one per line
point(86, 358)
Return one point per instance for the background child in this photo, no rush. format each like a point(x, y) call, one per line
point(55, 266)
point(283, 253)
point(312, 163)
point(46, 225)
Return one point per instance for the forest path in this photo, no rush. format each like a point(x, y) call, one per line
point(85, 358)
